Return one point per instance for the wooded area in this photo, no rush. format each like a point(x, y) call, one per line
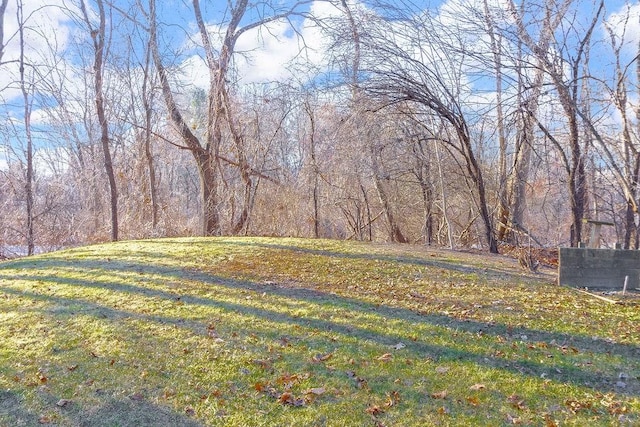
point(474, 124)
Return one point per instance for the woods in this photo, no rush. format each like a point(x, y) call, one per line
point(469, 124)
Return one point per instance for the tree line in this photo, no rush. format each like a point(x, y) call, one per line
point(473, 124)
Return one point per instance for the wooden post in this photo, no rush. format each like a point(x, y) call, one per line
point(594, 239)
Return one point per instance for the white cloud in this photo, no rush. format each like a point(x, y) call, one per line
point(272, 52)
point(46, 31)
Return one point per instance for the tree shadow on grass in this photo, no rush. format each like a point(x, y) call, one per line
point(422, 346)
point(13, 412)
point(121, 413)
point(133, 413)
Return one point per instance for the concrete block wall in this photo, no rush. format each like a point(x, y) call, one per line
point(599, 268)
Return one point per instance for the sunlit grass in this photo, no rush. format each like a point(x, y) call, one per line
point(260, 331)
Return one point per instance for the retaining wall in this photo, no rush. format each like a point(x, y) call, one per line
point(599, 268)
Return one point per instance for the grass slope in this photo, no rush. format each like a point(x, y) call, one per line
point(259, 331)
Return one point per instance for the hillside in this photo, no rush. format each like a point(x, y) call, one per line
point(261, 331)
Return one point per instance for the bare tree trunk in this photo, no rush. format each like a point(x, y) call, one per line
point(99, 36)
point(27, 125)
point(147, 97)
point(503, 199)
point(315, 171)
point(244, 169)
point(368, 209)
point(395, 234)
point(423, 175)
point(207, 172)
point(3, 8)
point(436, 145)
point(524, 148)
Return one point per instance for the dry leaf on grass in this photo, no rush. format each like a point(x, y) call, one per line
point(374, 410)
point(473, 401)
point(516, 401)
point(385, 357)
point(440, 395)
point(287, 398)
point(317, 391)
point(321, 357)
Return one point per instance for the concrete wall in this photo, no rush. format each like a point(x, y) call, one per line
point(599, 268)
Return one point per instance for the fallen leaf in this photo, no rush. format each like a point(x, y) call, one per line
point(575, 406)
point(549, 422)
point(443, 410)
point(615, 407)
point(284, 342)
point(473, 401)
point(287, 398)
point(476, 387)
point(321, 357)
point(439, 395)
point(416, 294)
point(361, 383)
point(514, 420)
point(44, 419)
point(385, 357)
point(374, 410)
point(63, 402)
point(392, 399)
point(189, 411)
point(516, 401)
point(211, 331)
point(316, 391)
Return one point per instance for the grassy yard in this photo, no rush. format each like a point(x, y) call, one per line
point(293, 332)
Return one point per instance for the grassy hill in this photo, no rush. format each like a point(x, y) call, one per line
point(262, 332)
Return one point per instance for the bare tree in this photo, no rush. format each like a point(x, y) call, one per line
point(427, 79)
point(98, 35)
point(206, 152)
point(624, 161)
point(27, 126)
point(568, 92)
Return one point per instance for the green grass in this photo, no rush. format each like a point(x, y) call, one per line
point(293, 332)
